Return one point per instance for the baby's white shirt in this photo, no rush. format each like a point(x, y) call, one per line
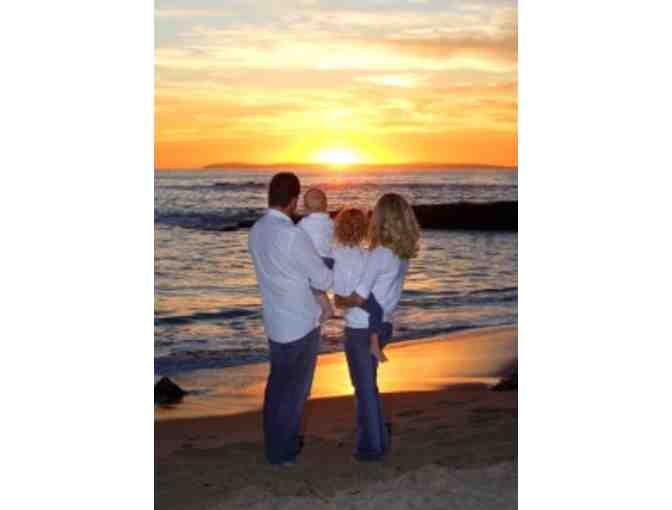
point(320, 229)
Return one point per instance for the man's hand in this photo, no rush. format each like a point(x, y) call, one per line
point(352, 300)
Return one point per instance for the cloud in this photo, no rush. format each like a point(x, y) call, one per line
point(477, 38)
point(331, 69)
point(393, 80)
point(192, 13)
point(501, 50)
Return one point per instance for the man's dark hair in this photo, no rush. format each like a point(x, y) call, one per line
point(283, 188)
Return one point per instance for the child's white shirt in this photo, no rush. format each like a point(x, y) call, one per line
point(349, 265)
point(320, 229)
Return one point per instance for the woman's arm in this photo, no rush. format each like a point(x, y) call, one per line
point(351, 300)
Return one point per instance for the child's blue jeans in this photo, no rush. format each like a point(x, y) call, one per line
point(329, 262)
point(375, 312)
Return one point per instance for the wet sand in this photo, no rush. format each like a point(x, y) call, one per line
point(454, 442)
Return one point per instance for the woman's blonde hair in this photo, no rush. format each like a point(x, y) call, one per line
point(394, 226)
point(350, 227)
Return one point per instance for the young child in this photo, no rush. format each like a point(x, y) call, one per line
point(349, 263)
point(320, 228)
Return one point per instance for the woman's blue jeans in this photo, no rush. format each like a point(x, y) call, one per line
point(372, 438)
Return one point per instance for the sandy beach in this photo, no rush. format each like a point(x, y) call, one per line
point(454, 440)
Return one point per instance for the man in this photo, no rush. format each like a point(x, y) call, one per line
point(287, 267)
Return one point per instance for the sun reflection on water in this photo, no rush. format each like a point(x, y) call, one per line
point(471, 356)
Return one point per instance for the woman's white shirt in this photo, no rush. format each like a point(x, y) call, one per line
point(384, 275)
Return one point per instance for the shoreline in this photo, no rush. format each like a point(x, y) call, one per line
point(453, 440)
point(254, 358)
point(478, 355)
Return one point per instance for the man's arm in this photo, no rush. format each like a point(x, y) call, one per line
point(310, 263)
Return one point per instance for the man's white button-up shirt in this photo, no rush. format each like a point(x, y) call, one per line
point(287, 266)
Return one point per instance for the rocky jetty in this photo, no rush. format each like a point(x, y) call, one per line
point(493, 216)
point(167, 392)
point(501, 216)
point(508, 383)
point(469, 216)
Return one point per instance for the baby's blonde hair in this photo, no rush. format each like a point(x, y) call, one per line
point(315, 200)
point(394, 226)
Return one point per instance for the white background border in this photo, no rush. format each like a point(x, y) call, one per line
point(76, 202)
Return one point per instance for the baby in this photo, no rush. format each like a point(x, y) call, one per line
point(320, 228)
point(350, 260)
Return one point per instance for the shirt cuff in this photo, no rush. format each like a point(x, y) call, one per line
point(326, 284)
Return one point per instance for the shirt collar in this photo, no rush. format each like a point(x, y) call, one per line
point(278, 214)
point(319, 214)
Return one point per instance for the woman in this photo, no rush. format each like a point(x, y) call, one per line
point(394, 236)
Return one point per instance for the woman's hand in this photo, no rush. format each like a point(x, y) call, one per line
point(341, 302)
point(352, 300)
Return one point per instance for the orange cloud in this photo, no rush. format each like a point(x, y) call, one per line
point(395, 86)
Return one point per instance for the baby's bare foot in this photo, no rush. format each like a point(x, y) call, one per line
point(379, 355)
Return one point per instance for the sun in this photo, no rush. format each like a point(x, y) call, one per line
point(338, 157)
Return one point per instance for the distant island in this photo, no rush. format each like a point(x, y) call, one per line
point(420, 166)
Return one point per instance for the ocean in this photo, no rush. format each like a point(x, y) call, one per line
point(207, 311)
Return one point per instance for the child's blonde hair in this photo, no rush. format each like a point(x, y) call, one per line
point(350, 227)
point(394, 226)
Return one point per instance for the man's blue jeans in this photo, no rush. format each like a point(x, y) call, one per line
point(372, 438)
point(288, 387)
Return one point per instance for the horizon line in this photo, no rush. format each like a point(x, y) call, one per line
point(239, 165)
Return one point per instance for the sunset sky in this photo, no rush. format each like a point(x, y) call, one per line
point(347, 81)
